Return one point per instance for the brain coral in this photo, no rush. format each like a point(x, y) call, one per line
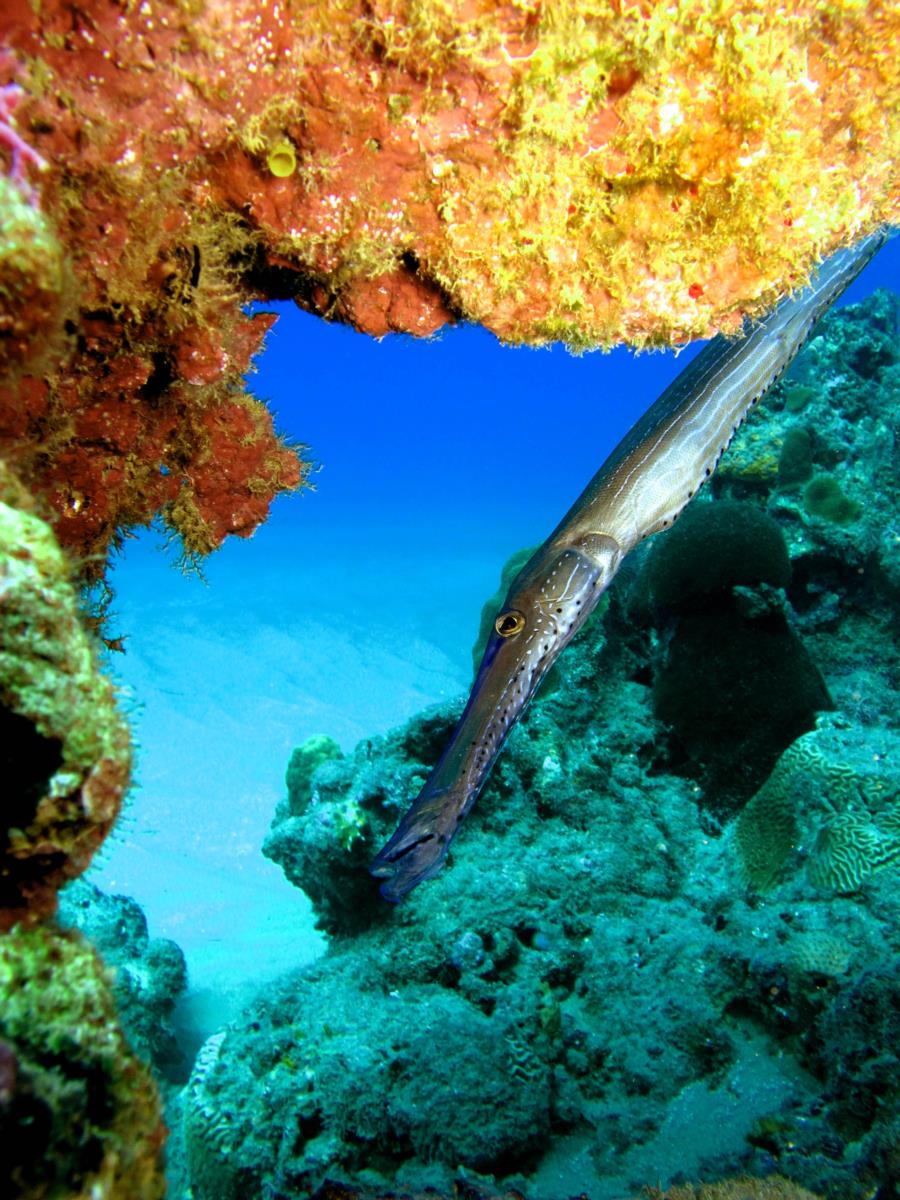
point(715, 547)
point(835, 790)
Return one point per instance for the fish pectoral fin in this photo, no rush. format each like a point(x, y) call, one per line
point(419, 846)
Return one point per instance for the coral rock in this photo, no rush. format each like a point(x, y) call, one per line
point(66, 750)
point(587, 172)
point(80, 1115)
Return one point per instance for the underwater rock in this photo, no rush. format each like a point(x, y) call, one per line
point(836, 409)
point(568, 901)
point(560, 174)
point(606, 941)
point(79, 1113)
point(735, 683)
point(124, 341)
point(845, 580)
point(31, 284)
point(551, 174)
point(66, 750)
point(672, 996)
point(150, 973)
point(361, 1080)
point(303, 764)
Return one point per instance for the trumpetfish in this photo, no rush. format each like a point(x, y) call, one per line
point(639, 490)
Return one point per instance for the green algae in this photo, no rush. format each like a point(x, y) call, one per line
point(69, 760)
point(32, 284)
point(824, 497)
point(304, 762)
point(83, 1118)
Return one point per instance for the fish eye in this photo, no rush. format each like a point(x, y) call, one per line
point(510, 623)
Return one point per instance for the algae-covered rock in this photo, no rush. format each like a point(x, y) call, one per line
point(713, 548)
point(31, 282)
point(150, 973)
point(79, 1116)
point(834, 416)
point(664, 1005)
point(361, 1083)
point(66, 749)
point(305, 759)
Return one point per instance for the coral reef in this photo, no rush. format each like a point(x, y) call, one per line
point(66, 750)
point(79, 1114)
point(591, 171)
point(594, 967)
point(836, 792)
point(123, 342)
point(150, 973)
point(719, 580)
point(774, 1188)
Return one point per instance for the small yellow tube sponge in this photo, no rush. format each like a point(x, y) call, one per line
point(281, 159)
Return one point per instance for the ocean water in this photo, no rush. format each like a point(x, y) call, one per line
point(352, 609)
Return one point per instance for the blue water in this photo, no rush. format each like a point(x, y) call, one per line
point(353, 607)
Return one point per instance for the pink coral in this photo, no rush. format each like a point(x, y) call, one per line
point(21, 154)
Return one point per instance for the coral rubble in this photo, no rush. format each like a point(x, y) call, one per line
point(591, 172)
point(616, 976)
point(79, 1114)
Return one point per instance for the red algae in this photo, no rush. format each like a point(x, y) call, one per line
point(588, 172)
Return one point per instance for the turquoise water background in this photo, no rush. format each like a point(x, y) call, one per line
point(352, 608)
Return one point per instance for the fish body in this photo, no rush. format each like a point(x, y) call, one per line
point(639, 490)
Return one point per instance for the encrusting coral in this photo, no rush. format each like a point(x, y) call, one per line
point(591, 172)
point(79, 1113)
point(836, 792)
point(66, 749)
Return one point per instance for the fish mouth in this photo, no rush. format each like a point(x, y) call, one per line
point(418, 848)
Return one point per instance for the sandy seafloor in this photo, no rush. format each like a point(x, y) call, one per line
point(355, 606)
